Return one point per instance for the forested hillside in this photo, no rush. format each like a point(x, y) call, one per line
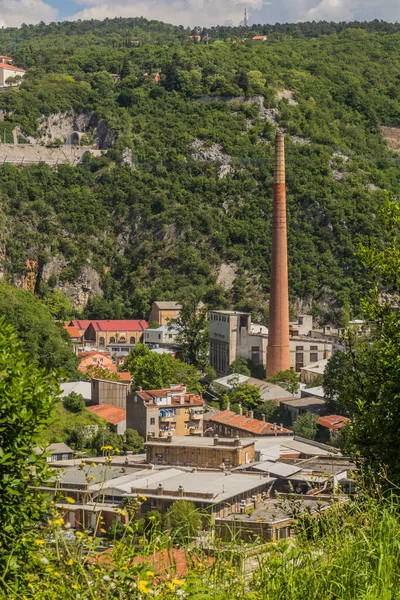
point(182, 197)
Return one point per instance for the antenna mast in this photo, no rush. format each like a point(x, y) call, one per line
point(245, 18)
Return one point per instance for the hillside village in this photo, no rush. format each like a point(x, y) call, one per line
point(199, 311)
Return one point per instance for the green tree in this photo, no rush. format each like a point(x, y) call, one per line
point(193, 327)
point(27, 396)
point(288, 380)
point(246, 395)
point(59, 305)
point(183, 520)
point(46, 342)
point(132, 441)
point(150, 370)
point(104, 437)
point(74, 402)
point(306, 426)
point(240, 366)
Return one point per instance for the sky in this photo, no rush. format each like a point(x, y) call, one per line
point(198, 12)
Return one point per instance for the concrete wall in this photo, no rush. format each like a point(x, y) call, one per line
point(210, 456)
point(109, 392)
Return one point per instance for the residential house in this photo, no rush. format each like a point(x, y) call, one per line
point(74, 333)
point(330, 425)
point(113, 415)
point(84, 388)
point(271, 520)
point(201, 452)
point(93, 359)
point(110, 392)
point(298, 406)
point(56, 452)
point(195, 38)
point(158, 412)
point(115, 77)
point(154, 77)
point(230, 424)
point(232, 336)
point(163, 311)
point(166, 335)
point(259, 38)
point(101, 333)
point(9, 71)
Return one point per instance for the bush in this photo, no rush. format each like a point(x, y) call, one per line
point(74, 402)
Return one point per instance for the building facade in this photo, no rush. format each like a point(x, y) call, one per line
point(162, 312)
point(110, 392)
point(190, 451)
point(102, 333)
point(232, 336)
point(159, 412)
point(9, 71)
point(162, 336)
point(230, 424)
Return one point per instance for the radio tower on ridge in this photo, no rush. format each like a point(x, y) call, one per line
point(245, 18)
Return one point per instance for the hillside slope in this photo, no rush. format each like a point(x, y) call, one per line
point(182, 198)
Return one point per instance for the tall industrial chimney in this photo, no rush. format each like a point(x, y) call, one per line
point(278, 352)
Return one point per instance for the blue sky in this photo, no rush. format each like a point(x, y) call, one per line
point(198, 12)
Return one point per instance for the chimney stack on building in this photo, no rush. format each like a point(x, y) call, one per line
point(278, 351)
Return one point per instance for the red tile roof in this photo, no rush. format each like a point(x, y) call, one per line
point(125, 376)
point(112, 414)
point(73, 331)
point(111, 325)
point(174, 400)
point(227, 417)
point(259, 37)
point(334, 422)
point(11, 67)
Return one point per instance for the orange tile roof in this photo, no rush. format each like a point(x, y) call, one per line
point(227, 417)
point(11, 67)
point(125, 376)
point(334, 422)
point(112, 414)
point(73, 331)
point(149, 395)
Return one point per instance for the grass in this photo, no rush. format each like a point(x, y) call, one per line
point(63, 421)
point(351, 552)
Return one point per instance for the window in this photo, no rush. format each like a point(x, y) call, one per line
point(314, 357)
point(159, 336)
point(132, 340)
point(102, 342)
point(112, 340)
point(152, 421)
point(64, 457)
point(299, 361)
point(299, 348)
point(313, 348)
point(300, 320)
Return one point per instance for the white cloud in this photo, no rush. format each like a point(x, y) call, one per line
point(15, 12)
point(182, 12)
point(331, 10)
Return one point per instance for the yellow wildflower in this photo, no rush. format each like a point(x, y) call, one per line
point(69, 562)
point(39, 542)
point(143, 587)
point(75, 587)
point(123, 513)
point(102, 530)
point(70, 500)
point(178, 582)
point(143, 498)
point(150, 573)
point(79, 534)
point(170, 586)
point(59, 521)
point(152, 518)
point(117, 450)
point(93, 464)
point(57, 574)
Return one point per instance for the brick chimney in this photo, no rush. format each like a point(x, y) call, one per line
point(278, 352)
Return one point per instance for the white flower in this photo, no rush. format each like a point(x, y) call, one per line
point(44, 561)
point(106, 578)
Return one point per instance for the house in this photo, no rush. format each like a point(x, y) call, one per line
point(333, 423)
point(298, 406)
point(268, 391)
point(9, 71)
point(101, 333)
point(232, 336)
point(230, 424)
point(110, 392)
point(216, 491)
point(163, 311)
point(154, 77)
point(158, 412)
point(57, 452)
point(271, 520)
point(195, 38)
point(74, 333)
point(202, 452)
point(113, 415)
point(115, 77)
point(312, 372)
point(119, 350)
point(259, 38)
point(90, 360)
point(135, 42)
point(166, 335)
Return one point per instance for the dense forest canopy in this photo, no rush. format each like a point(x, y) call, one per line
point(185, 184)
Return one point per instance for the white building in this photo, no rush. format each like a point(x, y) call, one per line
point(7, 71)
point(166, 335)
point(232, 336)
